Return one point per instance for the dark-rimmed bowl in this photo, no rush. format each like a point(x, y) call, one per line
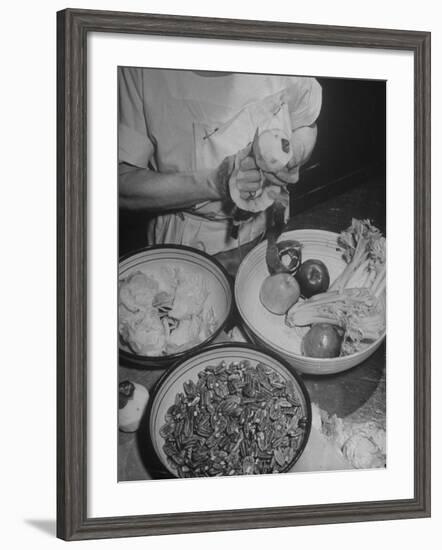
point(150, 441)
point(215, 276)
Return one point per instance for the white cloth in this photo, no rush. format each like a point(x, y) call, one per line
point(180, 121)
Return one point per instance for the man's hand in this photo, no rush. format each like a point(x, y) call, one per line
point(289, 175)
point(239, 170)
point(248, 178)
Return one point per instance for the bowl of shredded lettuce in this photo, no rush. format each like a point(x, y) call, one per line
point(172, 300)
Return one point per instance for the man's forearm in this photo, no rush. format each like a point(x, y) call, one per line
point(143, 189)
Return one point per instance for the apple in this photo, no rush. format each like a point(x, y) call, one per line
point(279, 293)
point(272, 150)
point(313, 277)
point(322, 340)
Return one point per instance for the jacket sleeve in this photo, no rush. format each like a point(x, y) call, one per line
point(134, 145)
point(304, 99)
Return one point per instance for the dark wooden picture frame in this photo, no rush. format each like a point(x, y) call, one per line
point(73, 27)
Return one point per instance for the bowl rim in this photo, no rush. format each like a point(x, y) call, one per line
point(145, 361)
point(274, 346)
point(157, 465)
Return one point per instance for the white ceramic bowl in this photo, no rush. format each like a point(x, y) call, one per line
point(270, 330)
point(163, 396)
point(150, 261)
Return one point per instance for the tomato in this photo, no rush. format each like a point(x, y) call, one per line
point(313, 277)
point(322, 340)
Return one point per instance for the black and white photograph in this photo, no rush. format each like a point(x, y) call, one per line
point(252, 274)
point(217, 275)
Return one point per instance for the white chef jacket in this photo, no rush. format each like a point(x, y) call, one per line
point(181, 121)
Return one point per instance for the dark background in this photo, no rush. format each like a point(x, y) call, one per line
point(350, 153)
point(347, 165)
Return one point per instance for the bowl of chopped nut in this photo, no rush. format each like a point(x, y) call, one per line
point(229, 409)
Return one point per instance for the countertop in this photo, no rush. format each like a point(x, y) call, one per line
point(359, 393)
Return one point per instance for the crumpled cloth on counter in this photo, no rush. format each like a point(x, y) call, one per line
point(361, 443)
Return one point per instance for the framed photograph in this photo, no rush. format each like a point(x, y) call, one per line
point(243, 224)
